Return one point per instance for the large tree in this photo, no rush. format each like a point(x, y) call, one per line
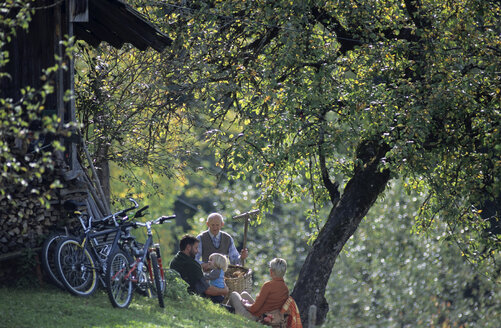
point(347, 95)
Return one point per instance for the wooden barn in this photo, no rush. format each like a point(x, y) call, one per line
point(94, 21)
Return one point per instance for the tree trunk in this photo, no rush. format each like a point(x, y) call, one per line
point(359, 195)
point(104, 178)
point(103, 172)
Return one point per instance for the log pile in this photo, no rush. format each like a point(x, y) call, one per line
point(25, 222)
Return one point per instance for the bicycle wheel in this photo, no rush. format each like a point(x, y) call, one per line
point(159, 281)
point(48, 257)
point(118, 283)
point(76, 267)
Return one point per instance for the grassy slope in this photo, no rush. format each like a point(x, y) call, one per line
point(51, 308)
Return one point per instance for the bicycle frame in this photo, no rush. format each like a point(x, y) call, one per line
point(102, 254)
point(133, 275)
point(89, 235)
point(139, 264)
point(144, 257)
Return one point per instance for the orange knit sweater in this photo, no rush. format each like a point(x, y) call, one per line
point(272, 296)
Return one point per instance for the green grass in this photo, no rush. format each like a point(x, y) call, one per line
point(50, 307)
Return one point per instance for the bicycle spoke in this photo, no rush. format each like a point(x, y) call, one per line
point(76, 268)
point(119, 285)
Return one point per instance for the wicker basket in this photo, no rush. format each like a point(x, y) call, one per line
point(238, 279)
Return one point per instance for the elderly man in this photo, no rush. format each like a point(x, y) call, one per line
point(214, 240)
point(191, 271)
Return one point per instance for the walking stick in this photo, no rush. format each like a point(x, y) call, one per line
point(245, 217)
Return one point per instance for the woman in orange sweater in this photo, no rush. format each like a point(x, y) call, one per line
point(271, 297)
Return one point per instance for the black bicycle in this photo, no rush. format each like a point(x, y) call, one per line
point(81, 261)
point(144, 273)
point(50, 244)
point(48, 258)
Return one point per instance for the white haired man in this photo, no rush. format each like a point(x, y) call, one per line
point(213, 240)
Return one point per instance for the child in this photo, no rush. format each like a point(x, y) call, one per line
point(216, 275)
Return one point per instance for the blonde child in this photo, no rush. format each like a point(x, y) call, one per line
point(216, 275)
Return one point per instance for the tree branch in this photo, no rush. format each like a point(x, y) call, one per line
point(331, 187)
point(412, 7)
point(347, 41)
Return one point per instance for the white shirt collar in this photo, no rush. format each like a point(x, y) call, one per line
point(216, 236)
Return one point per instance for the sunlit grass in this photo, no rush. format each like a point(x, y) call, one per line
point(52, 308)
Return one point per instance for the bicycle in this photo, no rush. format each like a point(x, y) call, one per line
point(81, 261)
point(123, 275)
point(50, 244)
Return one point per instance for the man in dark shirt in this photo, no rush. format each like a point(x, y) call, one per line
point(191, 271)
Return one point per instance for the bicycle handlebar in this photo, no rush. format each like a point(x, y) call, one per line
point(122, 212)
point(140, 212)
point(112, 218)
point(125, 218)
point(159, 220)
point(165, 218)
point(137, 215)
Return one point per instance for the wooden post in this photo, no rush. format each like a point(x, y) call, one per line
point(95, 197)
point(246, 217)
point(38, 270)
point(96, 179)
point(312, 316)
point(246, 226)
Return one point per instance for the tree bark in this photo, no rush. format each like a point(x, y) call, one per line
point(359, 195)
point(104, 177)
point(103, 173)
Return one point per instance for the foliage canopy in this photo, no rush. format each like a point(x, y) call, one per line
point(300, 89)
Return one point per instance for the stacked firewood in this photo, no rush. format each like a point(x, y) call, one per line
point(23, 223)
point(26, 222)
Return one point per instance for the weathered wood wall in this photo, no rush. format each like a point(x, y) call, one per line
point(24, 222)
point(31, 52)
